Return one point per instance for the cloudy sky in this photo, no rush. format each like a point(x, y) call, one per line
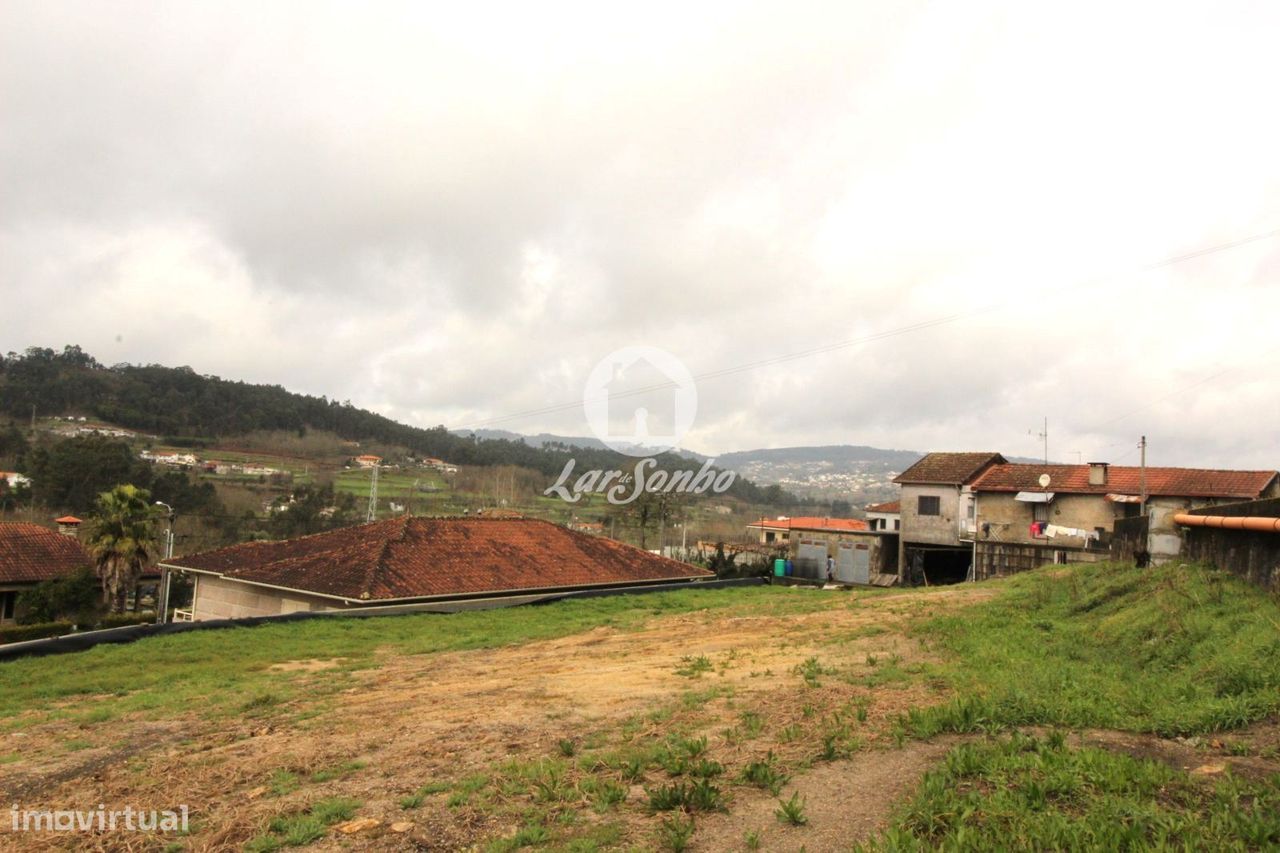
point(451, 213)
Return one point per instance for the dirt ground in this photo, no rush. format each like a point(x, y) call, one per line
point(417, 720)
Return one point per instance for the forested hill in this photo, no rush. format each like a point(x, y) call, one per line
point(177, 402)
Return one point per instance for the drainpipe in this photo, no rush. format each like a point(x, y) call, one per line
point(1257, 524)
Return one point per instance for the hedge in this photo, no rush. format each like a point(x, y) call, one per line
point(20, 633)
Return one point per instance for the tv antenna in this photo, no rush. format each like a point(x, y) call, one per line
point(1043, 435)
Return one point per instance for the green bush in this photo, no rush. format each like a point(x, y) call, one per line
point(119, 620)
point(76, 598)
point(22, 633)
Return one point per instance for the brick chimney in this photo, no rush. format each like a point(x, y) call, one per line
point(68, 525)
point(1098, 473)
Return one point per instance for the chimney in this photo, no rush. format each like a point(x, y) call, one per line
point(1097, 473)
point(68, 525)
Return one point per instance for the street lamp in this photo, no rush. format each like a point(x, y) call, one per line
point(162, 604)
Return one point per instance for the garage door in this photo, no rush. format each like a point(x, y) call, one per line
point(811, 559)
point(853, 563)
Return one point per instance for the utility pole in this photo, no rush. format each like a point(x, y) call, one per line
point(372, 514)
point(1142, 445)
point(162, 593)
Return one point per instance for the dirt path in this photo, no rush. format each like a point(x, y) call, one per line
point(845, 802)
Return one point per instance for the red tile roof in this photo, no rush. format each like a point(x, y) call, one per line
point(1168, 482)
point(30, 553)
point(67, 519)
point(812, 522)
point(423, 557)
point(891, 507)
point(953, 469)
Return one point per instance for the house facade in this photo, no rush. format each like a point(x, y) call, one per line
point(1029, 515)
point(885, 517)
point(937, 514)
point(30, 554)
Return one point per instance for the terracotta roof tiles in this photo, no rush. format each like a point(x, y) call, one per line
point(1170, 482)
point(424, 557)
point(954, 469)
point(30, 553)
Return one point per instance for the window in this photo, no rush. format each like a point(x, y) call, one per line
point(897, 523)
point(929, 505)
point(8, 601)
point(1040, 512)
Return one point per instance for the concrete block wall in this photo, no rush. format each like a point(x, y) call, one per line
point(219, 598)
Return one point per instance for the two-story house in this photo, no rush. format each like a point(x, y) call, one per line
point(937, 516)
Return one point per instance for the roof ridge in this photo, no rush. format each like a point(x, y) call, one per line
point(379, 562)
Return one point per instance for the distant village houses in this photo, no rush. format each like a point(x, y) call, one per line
point(972, 516)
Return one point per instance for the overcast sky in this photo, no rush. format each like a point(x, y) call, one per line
point(450, 213)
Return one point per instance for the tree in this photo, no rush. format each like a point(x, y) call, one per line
point(120, 541)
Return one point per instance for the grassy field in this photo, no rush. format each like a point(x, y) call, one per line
point(1038, 712)
point(224, 671)
point(1171, 650)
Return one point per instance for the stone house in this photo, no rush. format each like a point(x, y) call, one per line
point(1028, 515)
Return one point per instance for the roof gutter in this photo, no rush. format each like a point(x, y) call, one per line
point(1257, 524)
point(448, 596)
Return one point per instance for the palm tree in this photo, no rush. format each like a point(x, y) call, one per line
point(120, 540)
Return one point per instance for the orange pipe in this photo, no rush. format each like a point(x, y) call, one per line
point(1226, 522)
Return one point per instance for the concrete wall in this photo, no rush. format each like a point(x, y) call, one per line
point(998, 559)
point(941, 529)
point(219, 598)
point(1010, 519)
point(1164, 538)
point(1253, 556)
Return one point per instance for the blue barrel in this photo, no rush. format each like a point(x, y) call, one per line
point(790, 568)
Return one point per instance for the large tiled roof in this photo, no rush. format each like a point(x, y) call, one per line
point(31, 553)
point(953, 469)
point(423, 557)
point(1169, 482)
point(812, 522)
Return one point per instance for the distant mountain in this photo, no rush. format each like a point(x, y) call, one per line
point(855, 473)
point(543, 439)
point(184, 407)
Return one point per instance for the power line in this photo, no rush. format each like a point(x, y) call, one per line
point(740, 368)
point(839, 345)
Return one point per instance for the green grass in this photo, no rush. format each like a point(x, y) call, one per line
point(1021, 793)
point(1172, 650)
point(299, 829)
point(227, 672)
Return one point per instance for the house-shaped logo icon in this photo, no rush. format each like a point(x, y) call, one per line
point(640, 400)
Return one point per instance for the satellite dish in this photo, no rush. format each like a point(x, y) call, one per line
point(1044, 481)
